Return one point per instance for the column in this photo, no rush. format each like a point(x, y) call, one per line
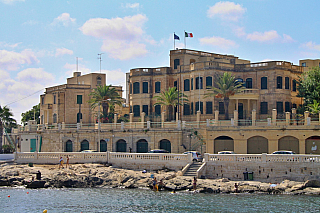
point(162, 119)
point(130, 119)
point(216, 117)
point(254, 117)
point(237, 104)
point(274, 117)
point(177, 116)
point(306, 115)
point(287, 118)
point(115, 120)
point(294, 113)
point(235, 117)
point(302, 146)
point(142, 119)
point(248, 106)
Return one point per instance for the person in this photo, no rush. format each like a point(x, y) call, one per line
point(67, 164)
point(154, 184)
point(160, 184)
point(130, 149)
point(38, 175)
point(61, 163)
point(236, 186)
point(194, 183)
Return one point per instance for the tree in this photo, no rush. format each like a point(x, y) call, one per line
point(171, 98)
point(309, 87)
point(29, 115)
point(105, 97)
point(224, 87)
point(314, 108)
point(6, 121)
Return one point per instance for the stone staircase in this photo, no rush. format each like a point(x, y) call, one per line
point(192, 170)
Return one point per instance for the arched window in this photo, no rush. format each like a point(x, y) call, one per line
point(69, 146)
point(84, 145)
point(98, 80)
point(103, 146)
point(55, 118)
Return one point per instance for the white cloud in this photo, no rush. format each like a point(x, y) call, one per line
point(132, 6)
point(63, 51)
point(30, 22)
point(311, 45)
point(10, 60)
point(263, 37)
point(34, 75)
point(3, 44)
point(287, 39)
point(226, 11)
point(239, 31)
point(122, 37)
point(63, 19)
point(218, 42)
point(10, 1)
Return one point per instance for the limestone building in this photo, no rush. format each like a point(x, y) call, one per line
point(269, 85)
point(68, 103)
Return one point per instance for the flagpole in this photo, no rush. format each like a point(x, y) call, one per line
point(174, 41)
point(185, 44)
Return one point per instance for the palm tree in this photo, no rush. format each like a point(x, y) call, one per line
point(171, 98)
point(314, 108)
point(225, 86)
point(105, 96)
point(6, 121)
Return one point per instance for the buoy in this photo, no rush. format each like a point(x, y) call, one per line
point(27, 192)
point(45, 211)
point(8, 195)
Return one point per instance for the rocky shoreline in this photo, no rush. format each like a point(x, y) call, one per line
point(100, 175)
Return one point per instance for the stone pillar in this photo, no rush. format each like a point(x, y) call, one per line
point(272, 145)
point(306, 115)
point(63, 125)
point(294, 114)
point(162, 119)
point(115, 119)
point(206, 157)
point(232, 121)
point(269, 121)
point(274, 117)
point(208, 122)
point(235, 117)
point(183, 124)
point(59, 126)
point(287, 118)
point(148, 125)
point(131, 119)
point(143, 114)
point(302, 146)
point(254, 117)
point(216, 117)
point(179, 125)
point(198, 118)
point(122, 125)
point(177, 116)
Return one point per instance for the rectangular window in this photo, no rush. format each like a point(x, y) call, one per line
point(186, 109)
point(145, 88)
point(197, 107)
point(157, 109)
point(42, 100)
point(176, 63)
point(287, 107)
point(279, 82)
point(199, 82)
point(221, 108)
point(279, 107)
point(157, 87)
point(136, 88)
point(191, 83)
point(208, 81)
point(264, 108)
point(136, 110)
point(54, 99)
point(191, 111)
point(249, 83)
point(79, 99)
point(208, 107)
point(304, 64)
point(286, 83)
point(186, 85)
point(145, 109)
point(264, 83)
point(294, 85)
point(175, 84)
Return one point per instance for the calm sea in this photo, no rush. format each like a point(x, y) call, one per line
point(138, 200)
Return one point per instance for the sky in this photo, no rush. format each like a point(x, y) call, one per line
point(40, 40)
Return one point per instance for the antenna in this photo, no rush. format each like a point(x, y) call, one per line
point(99, 54)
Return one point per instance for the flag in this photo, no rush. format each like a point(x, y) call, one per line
point(176, 37)
point(188, 34)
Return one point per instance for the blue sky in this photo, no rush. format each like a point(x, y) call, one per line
point(40, 40)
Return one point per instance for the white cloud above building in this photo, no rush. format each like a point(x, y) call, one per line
point(64, 19)
point(10, 60)
point(225, 10)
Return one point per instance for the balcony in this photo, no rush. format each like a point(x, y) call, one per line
point(252, 94)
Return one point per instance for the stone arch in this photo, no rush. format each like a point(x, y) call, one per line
point(103, 146)
point(84, 145)
point(289, 143)
point(257, 145)
point(223, 143)
point(121, 146)
point(69, 146)
point(142, 146)
point(313, 145)
point(165, 144)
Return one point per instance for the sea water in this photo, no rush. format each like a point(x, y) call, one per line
point(143, 200)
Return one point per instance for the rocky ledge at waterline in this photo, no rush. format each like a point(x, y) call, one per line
point(99, 175)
